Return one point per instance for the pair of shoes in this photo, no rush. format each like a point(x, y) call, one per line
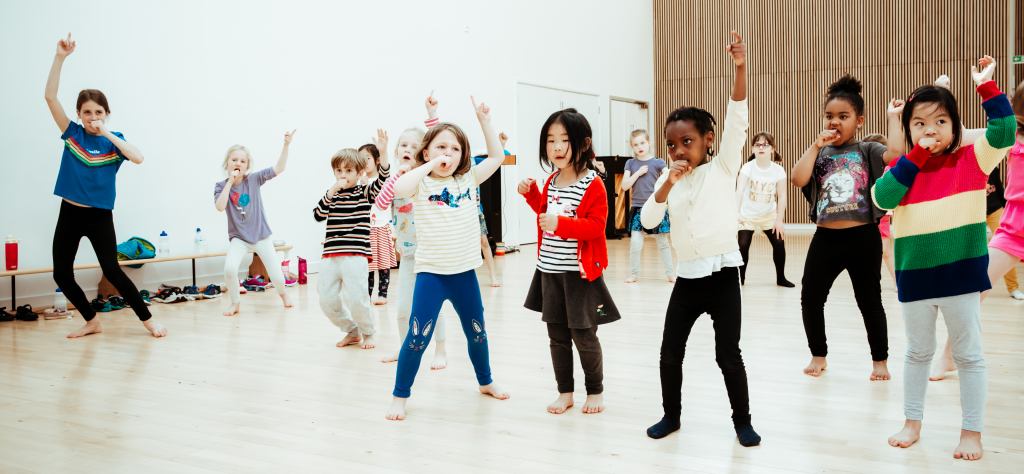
point(116, 302)
point(192, 291)
point(211, 291)
point(53, 314)
point(145, 297)
point(172, 295)
point(4, 315)
point(100, 306)
point(255, 280)
point(1017, 295)
point(25, 313)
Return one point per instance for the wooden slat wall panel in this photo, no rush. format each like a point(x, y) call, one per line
point(798, 48)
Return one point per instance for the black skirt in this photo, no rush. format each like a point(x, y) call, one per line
point(567, 298)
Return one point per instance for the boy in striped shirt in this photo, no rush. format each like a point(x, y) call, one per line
point(938, 194)
point(345, 261)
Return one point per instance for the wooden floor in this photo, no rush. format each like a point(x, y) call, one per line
point(267, 391)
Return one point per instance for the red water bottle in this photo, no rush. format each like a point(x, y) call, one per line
point(11, 248)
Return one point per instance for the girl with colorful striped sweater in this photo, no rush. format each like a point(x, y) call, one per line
point(937, 193)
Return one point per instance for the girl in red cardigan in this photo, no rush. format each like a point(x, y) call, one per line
point(568, 289)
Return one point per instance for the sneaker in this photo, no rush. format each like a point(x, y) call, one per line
point(171, 295)
point(211, 292)
point(256, 288)
point(53, 314)
point(4, 315)
point(1017, 295)
point(288, 282)
point(145, 297)
point(255, 280)
point(192, 291)
point(241, 287)
point(25, 313)
point(100, 306)
point(116, 302)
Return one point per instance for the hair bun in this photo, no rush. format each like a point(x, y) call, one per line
point(847, 84)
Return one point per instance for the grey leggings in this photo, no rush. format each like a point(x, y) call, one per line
point(963, 323)
point(636, 245)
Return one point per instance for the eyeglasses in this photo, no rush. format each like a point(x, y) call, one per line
point(762, 145)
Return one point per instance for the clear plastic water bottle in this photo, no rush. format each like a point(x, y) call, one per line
point(60, 303)
point(200, 246)
point(165, 245)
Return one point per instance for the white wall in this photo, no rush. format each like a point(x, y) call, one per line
point(186, 80)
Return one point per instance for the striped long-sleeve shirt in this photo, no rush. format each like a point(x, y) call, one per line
point(348, 217)
point(939, 204)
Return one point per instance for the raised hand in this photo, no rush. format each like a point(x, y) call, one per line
point(431, 104)
point(381, 141)
point(928, 143)
point(737, 49)
point(942, 81)
point(548, 222)
point(288, 137)
point(896, 106)
point(503, 138)
point(678, 169)
point(525, 185)
point(988, 65)
point(827, 137)
point(483, 112)
point(65, 47)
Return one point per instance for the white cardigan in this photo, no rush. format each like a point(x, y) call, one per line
point(702, 205)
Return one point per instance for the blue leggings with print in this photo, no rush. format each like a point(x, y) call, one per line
point(431, 292)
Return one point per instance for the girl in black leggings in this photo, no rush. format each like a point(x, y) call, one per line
point(87, 182)
point(761, 179)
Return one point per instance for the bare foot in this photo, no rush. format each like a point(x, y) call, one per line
point(879, 371)
point(397, 409)
point(909, 435)
point(91, 327)
point(232, 310)
point(562, 403)
point(495, 391)
point(390, 357)
point(816, 366)
point(157, 329)
point(440, 359)
point(368, 342)
point(969, 448)
point(349, 340)
point(287, 300)
point(594, 404)
point(631, 279)
point(944, 365)
point(381, 301)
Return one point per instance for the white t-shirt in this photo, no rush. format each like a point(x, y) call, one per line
point(759, 197)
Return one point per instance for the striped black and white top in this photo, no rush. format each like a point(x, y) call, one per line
point(556, 254)
point(348, 217)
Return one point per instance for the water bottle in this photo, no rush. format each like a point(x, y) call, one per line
point(165, 245)
point(11, 251)
point(200, 246)
point(60, 304)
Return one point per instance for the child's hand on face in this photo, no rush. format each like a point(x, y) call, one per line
point(895, 107)
point(678, 169)
point(928, 143)
point(483, 112)
point(827, 137)
point(288, 137)
point(548, 222)
point(99, 125)
point(525, 185)
point(737, 49)
point(65, 47)
point(381, 141)
point(431, 103)
point(339, 185)
point(988, 65)
point(403, 169)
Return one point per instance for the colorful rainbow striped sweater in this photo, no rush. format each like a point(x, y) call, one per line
point(939, 209)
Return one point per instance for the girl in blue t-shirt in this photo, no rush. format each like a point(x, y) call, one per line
point(87, 178)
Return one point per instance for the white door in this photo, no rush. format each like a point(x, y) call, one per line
point(626, 117)
point(587, 105)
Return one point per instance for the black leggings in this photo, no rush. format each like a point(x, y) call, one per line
point(591, 358)
point(858, 250)
point(98, 225)
point(778, 253)
point(385, 280)
point(719, 296)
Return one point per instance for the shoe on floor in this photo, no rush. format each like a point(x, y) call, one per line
point(25, 313)
point(1017, 295)
point(4, 315)
point(241, 287)
point(100, 306)
point(288, 282)
point(211, 292)
point(53, 314)
point(192, 291)
point(254, 280)
point(145, 297)
point(116, 302)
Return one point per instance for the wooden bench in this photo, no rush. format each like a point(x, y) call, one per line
point(31, 271)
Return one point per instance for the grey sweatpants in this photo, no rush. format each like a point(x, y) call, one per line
point(636, 246)
point(406, 284)
point(962, 316)
point(343, 279)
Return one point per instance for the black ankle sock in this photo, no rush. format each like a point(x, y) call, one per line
point(748, 437)
point(782, 281)
point(663, 428)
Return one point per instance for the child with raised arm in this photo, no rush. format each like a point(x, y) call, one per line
point(937, 193)
point(345, 260)
point(701, 192)
point(568, 288)
point(447, 252)
point(87, 185)
point(240, 198)
point(641, 172)
point(382, 245)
